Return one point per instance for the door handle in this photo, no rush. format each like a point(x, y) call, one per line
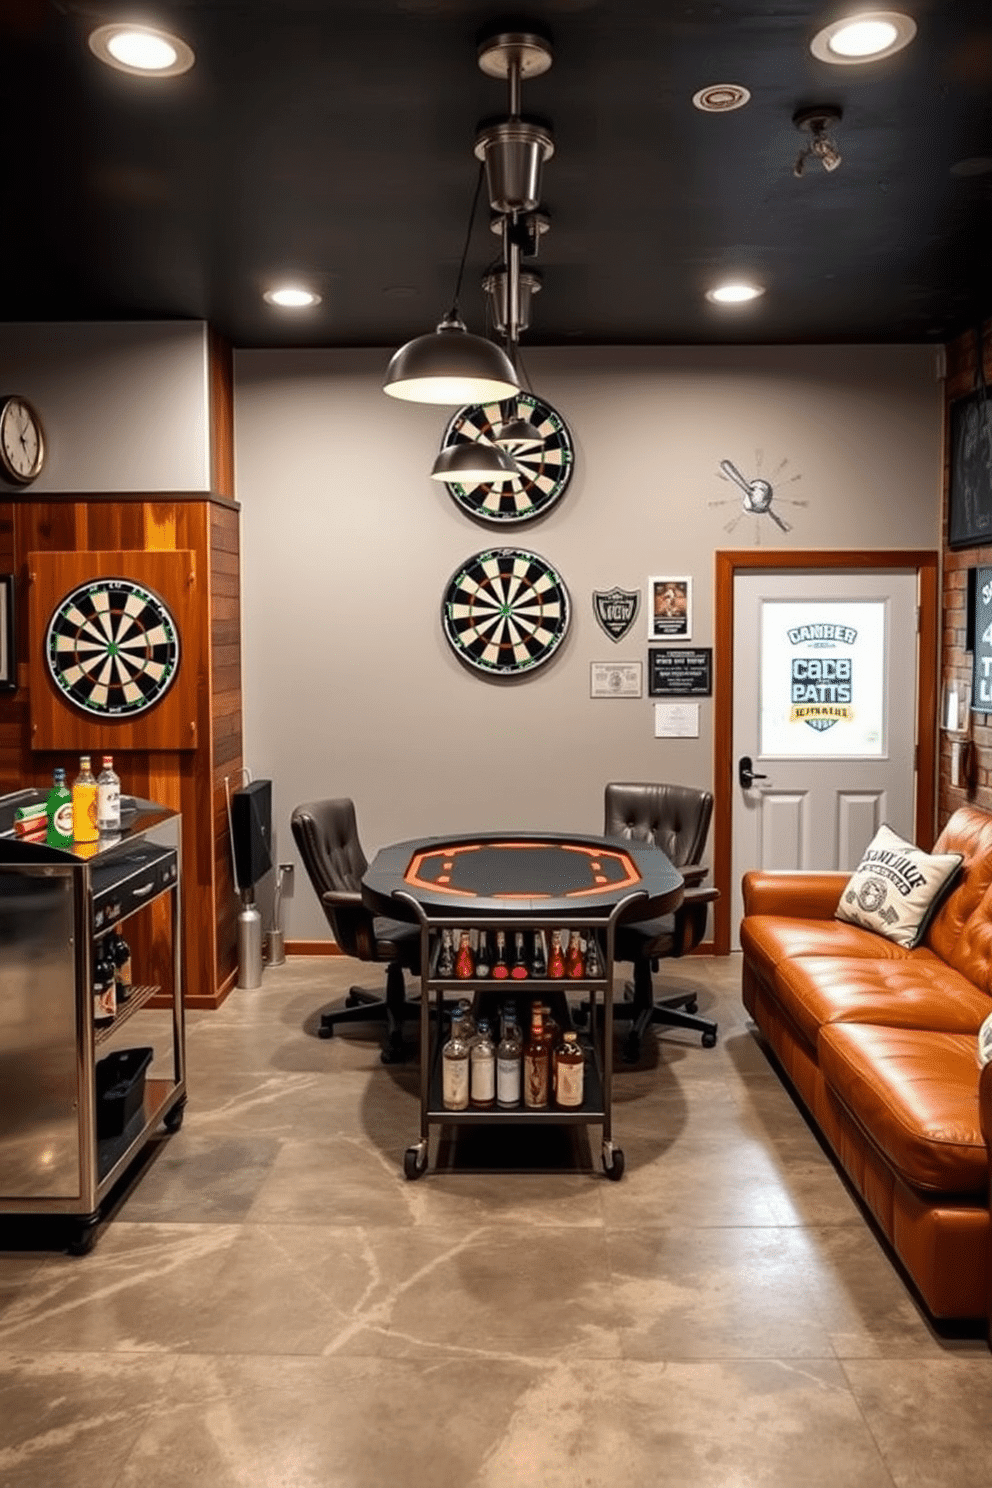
point(745, 773)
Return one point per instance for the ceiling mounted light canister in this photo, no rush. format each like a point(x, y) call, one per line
point(866, 36)
point(817, 121)
point(143, 50)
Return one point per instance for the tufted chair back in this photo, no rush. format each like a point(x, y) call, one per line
point(675, 818)
point(326, 833)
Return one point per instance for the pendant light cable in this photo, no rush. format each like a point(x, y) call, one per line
point(454, 313)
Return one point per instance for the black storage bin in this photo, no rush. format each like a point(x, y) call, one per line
point(120, 1089)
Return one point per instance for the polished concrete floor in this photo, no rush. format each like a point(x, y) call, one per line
point(273, 1306)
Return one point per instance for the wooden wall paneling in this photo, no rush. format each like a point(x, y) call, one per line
point(226, 720)
point(221, 388)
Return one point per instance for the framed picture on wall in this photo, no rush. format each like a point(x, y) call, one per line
point(8, 647)
point(670, 608)
point(969, 514)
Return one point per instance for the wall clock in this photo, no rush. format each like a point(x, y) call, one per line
point(505, 611)
point(22, 443)
point(544, 463)
point(112, 648)
point(758, 493)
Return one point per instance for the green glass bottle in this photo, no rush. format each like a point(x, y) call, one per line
point(59, 810)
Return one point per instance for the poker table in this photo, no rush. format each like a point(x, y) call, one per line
point(535, 883)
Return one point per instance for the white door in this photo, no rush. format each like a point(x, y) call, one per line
point(825, 677)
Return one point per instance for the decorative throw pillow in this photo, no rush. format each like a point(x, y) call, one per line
point(985, 1041)
point(896, 888)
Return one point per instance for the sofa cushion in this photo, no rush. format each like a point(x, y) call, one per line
point(915, 1094)
point(909, 993)
point(985, 1042)
point(896, 888)
point(770, 939)
point(961, 930)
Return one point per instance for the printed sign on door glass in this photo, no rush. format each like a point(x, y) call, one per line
point(823, 679)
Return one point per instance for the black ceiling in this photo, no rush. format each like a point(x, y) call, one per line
point(333, 140)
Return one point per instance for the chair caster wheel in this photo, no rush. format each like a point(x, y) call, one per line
point(413, 1167)
point(692, 1006)
point(614, 1170)
point(351, 1000)
point(631, 1051)
point(326, 1030)
point(709, 1040)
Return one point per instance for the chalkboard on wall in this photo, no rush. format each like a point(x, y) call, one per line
point(970, 508)
point(981, 676)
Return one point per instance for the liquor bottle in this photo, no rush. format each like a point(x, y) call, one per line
point(59, 810)
point(446, 956)
point(518, 971)
point(104, 994)
point(538, 962)
point(84, 827)
point(556, 961)
point(500, 969)
point(482, 1069)
point(108, 798)
point(552, 1031)
point(536, 1064)
point(594, 961)
point(509, 1065)
point(454, 1072)
point(483, 965)
point(464, 961)
point(569, 1073)
point(574, 963)
point(120, 954)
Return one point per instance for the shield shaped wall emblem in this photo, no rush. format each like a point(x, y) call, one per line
point(616, 610)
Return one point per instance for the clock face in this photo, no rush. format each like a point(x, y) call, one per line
point(544, 467)
point(22, 444)
point(112, 648)
point(505, 611)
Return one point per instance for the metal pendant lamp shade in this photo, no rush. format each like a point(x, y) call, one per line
point(472, 463)
point(451, 366)
point(518, 435)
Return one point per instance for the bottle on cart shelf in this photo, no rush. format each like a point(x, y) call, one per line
point(556, 961)
point(120, 954)
point(538, 962)
point(594, 961)
point(518, 971)
point(104, 987)
point(464, 960)
point(510, 1013)
point(536, 1062)
point(552, 1031)
point(568, 1079)
point(509, 1064)
point(108, 798)
point(59, 810)
point(483, 963)
point(446, 956)
point(574, 960)
point(482, 1069)
point(455, 1072)
point(500, 969)
point(463, 1021)
point(84, 791)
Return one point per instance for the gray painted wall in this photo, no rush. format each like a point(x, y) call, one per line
point(123, 406)
point(350, 688)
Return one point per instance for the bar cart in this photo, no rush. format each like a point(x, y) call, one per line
point(78, 1105)
point(520, 883)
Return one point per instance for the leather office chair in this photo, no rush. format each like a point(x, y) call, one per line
point(675, 818)
point(326, 833)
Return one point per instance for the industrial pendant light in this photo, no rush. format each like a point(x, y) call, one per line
point(473, 463)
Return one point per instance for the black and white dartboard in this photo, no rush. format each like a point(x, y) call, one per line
point(544, 468)
point(505, 611)
point(112, 648)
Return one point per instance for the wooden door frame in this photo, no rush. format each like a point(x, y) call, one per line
point(728, 565)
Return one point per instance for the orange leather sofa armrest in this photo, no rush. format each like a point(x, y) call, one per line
point(985, 1105)
point(801, 896)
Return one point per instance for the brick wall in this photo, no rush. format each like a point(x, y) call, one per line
point(962, 378)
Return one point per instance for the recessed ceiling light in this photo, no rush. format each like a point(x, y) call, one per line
point(141, 49)
point(721, 98)
point(864, 37)
point(734, 294)
point(291, 297)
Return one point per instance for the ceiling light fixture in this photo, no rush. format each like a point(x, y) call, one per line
point(143, 50)
point(816, 122)
point(721, 98)
point(291, 297)
point(736, 293)
point(474, 463)
point(866, 36)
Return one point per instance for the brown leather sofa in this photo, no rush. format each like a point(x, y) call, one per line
point(880, 1044)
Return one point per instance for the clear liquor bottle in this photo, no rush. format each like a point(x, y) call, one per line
point(482, 1069)
point(509, 1065)
point(455, 1072)
point(108, 797)
point(446, 957)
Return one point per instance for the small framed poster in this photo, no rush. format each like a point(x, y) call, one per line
point(669, 609)
point(8, 648)
point(680, 671)
point(615, 679)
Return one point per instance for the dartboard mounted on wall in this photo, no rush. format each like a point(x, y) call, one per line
point(505, 611)
point(537, 440)
point(112, 647)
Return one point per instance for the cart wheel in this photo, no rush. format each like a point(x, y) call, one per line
point(173, 1119)
point(326, 1030)
point(412, 1165)
point(83, 1237)
point(709, 1040)
point(352, 1000)
point(614, 1170)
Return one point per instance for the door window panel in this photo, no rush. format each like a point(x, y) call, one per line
point(823, 679)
